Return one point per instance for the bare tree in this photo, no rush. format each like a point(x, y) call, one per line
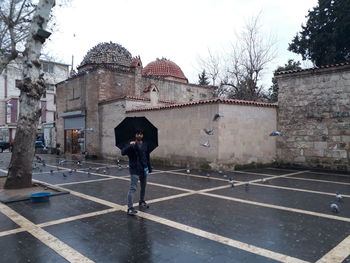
point(15, 17)
point(249, 57)
point(212, 66)
point(31, 87)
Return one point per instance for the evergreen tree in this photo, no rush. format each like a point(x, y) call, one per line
point(291, 65)
point(203, 79)
point(326, 37)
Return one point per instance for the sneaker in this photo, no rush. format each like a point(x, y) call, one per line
point(143, 204)
point(131, 211)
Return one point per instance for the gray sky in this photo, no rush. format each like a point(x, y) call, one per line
point(179, 30)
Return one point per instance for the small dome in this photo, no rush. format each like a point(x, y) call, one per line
point(107, 53)
point(166, 69)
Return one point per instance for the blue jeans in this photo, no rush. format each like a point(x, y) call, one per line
point(133, 186)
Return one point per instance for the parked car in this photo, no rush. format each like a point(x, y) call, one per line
point(39, 144)
point(5, 145)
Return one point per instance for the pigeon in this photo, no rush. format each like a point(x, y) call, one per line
point(208, 174)
point(231, 182)
point(264, 180)
point(104, 171)
point(89, 168)
point(70, 171)
point(217, 116)
point(339, 197)
point(97, 169)
point(51, 171)
point(335, 208)
point(206, 144)
point(209, 132)
point(38, 158)
point(188, 171)
point(225, 175)
point(64, 175)
point(276, 133)
point(41, 170)
point(62, 162)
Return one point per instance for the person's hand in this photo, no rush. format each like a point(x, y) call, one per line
point(132, 143)
point(146, 171)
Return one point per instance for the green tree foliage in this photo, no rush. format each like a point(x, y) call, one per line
point(203, 79)
point(291, 65)
point(326, 37)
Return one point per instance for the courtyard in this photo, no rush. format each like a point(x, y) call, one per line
point(261, 215)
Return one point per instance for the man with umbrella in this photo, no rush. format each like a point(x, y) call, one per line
point(137, 143)
point(139, 165)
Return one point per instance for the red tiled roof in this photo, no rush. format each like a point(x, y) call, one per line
point(163, 68)
point(312, 69)
point(215, 100)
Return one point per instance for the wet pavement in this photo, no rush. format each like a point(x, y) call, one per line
point(194, 216)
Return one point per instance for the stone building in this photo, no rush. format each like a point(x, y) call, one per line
point(111, 84)
point(314, 115)
point(9, 95)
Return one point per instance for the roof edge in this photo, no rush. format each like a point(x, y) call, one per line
point(208, 101)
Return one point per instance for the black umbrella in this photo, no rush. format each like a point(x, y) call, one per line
point(125, 132)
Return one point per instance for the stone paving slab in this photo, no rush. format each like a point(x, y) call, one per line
point(302, 236)
point(270, 171)
point(58, 207)
point(6, 223)
point(133, 239)
point(62, 177)
point(288, 198)
point(23, 247)
point(185, 181)
point(312, 185)
point(115, 190)
point(325, 177)
point(238, 176)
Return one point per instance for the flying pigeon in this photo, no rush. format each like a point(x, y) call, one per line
point(217, 116)
point(206, 144)
point(339, 197)
point(276, 133)
point(335, 208)
point(208, 132)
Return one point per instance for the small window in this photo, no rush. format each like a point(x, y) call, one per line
point(48, 68)
point(50, 87)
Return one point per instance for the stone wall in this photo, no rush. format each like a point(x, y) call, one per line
point(314, 114)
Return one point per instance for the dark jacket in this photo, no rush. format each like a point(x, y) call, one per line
point(138, 158)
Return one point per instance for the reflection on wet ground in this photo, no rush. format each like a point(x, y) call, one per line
point(269, 215)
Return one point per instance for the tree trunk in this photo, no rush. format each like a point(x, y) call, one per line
point(32, 88)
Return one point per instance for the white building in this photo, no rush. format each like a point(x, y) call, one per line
point(9, 103)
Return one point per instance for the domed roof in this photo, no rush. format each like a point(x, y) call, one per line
point(164, 68)
point(107, 53)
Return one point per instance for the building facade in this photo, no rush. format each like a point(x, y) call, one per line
point(109, 74)
point(9, 99)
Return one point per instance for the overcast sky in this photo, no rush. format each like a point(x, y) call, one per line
point(180, 30)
